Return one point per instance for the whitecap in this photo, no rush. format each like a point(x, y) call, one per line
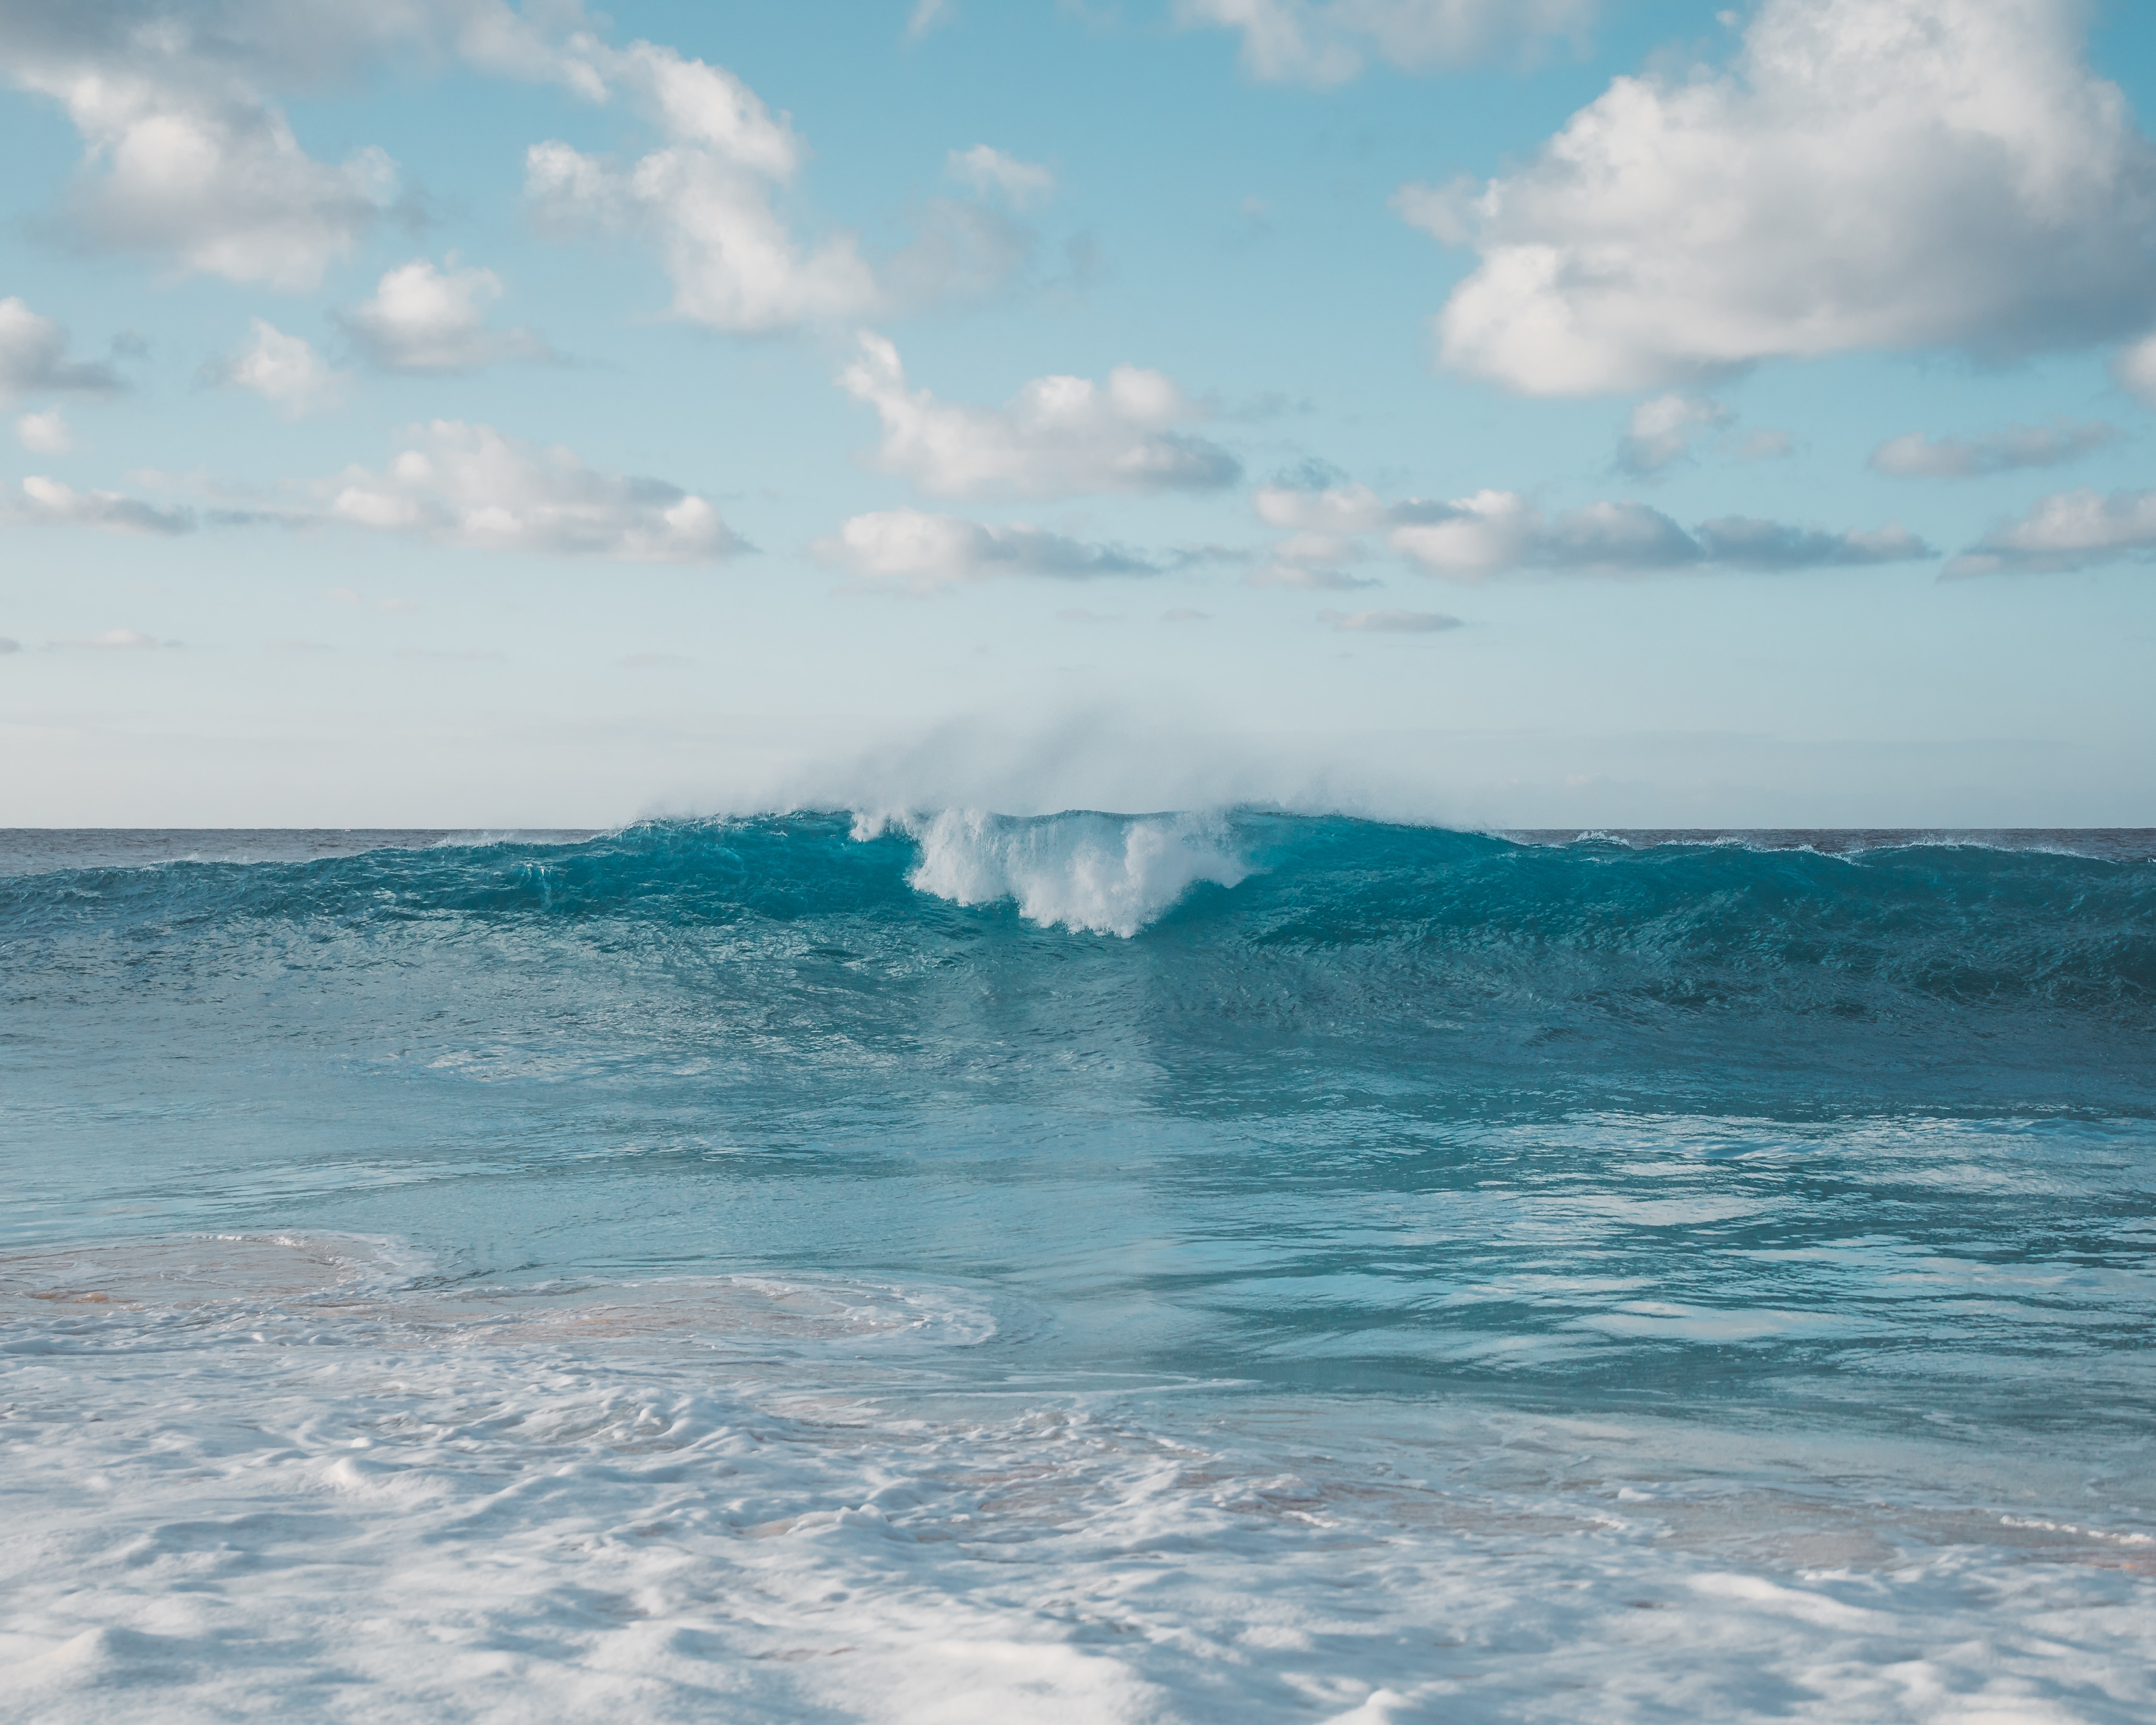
point(1102, 874)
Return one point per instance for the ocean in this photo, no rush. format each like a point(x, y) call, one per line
point(1235, 1267)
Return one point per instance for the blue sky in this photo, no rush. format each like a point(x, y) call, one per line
point(1555, 413)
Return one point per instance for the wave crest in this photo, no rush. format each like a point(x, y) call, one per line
point(1104, 873)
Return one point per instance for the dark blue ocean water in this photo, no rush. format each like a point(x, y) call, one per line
point(1374, 1270)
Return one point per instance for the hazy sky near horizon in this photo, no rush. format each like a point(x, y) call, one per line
point(1513, 412)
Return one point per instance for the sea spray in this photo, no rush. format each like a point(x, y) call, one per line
point(1100, 873)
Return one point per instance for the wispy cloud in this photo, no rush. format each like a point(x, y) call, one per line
point(930, 15)
point(1393, 622)
point(1329, 529)
point(912, 549)
point(987, 169)
point(46, 502)
point(1328, 41)
point(1916, 456)
point(114, 640)
point(2068, 530)
point(34, 358)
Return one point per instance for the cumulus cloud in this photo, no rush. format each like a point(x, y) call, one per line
point(470, 486)
point(188, 154)
point(1057, 437)
point(1916, 456)
point(284, 370)
point(1495, 533)
point(1328, 41)
point(2068, 530)
point(711, 200)
point(1395, 622)
point(921, 552)
point(45, 434)
point(706, 199)
point(430, 320)
point(987, 170)
point(33, 356)
point(1868, 174)
point(43, 502)
point(1660, 432)
point(185, 155)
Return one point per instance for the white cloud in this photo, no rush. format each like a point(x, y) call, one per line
point(44, 502)
point(1300, 42)
point(1660, 432)
point(1916, 456)
point(987, 169)
point(706, 198)
point(429, 320)
point(468, 485)
point(1331, 510)
point(1323, 529)
point(912, 548)
point(2068, 530)
point(1897, 174)
point(284, 370)
point(710, 202)
point(1388, 621)
point(45, 434)
point(185, 157)
point(1057, 437)
point(1495, 533)
point(1766, 446)
point(188, 155)
point(33, 356)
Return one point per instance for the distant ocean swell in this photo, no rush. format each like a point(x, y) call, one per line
point(1389, 925)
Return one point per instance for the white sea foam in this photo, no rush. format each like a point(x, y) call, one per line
point(1108, 874)
point(383, 1503)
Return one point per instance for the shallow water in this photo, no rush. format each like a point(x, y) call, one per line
point(1179, 1268)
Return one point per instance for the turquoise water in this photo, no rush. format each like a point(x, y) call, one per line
point(1094, 1267)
